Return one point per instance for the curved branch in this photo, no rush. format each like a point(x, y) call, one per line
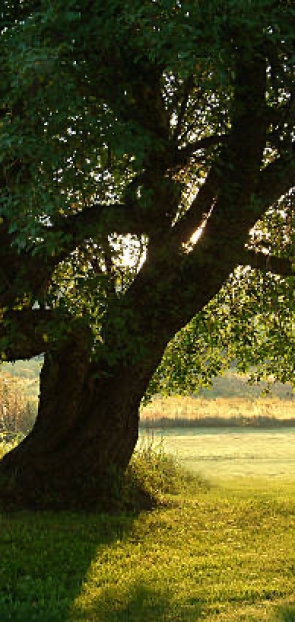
point(23, 333)
point(189, 150)
point(100, 218)
point(30, 270)
point(282, 266)
point(199, 208)
point(275, 180)
point(29, 332)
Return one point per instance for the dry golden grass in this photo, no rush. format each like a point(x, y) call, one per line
point(17, 411)
point(197, 409)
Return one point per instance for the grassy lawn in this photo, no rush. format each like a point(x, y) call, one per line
point(220, 553)
point(218, 453)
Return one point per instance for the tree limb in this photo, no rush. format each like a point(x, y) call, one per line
point(105, 219)
point(30, 270)
point(29, 332)
point(268, 263)
point(24, 333)
point(203, 143)
point(232, 181)
point(275, 180)
point(199, 208)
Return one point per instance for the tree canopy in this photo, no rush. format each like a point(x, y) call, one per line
point(147, 172)
point(102, 109)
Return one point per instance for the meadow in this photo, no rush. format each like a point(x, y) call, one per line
point(224, 454)
point(211, 550)
point(218, 545)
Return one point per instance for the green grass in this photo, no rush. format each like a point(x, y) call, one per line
point(234, 453)
point(213, 556)
point(215, 553)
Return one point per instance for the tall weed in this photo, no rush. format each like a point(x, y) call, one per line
point(17, 412)
point(158, 473)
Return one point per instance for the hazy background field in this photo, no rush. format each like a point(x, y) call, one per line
point(232, 431)
point(232, 453)
point(227, 433)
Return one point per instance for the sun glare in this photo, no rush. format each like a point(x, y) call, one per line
point(196, 235)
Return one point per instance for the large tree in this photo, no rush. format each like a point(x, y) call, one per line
point(141, 142)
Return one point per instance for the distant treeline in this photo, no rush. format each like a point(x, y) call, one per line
point(232, 385)
point(217, 422)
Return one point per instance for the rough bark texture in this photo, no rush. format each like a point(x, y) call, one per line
point(87, 424)
point(84, 436)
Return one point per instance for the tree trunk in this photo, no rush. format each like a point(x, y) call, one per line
point(87, 424)
point(84, 436)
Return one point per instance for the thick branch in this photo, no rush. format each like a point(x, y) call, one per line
point(268, 263)
point(24, 333)
point(232, 181)
point(203, 143)
point(240, 161)
point(199, 208)
point(100, 219)
point(96, 222)
point(275, 180)
point(30, 332)
point(29, 273)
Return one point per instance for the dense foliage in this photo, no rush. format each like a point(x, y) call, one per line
point(97, 106)
point(146, 174)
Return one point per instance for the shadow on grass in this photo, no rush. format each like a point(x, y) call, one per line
point(44, 558)
point(45, 572)
point(139, 603)
point(286, 614)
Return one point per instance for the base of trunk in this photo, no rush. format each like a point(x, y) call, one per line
point(84, 436)
point(81, 469)
point(114, 492)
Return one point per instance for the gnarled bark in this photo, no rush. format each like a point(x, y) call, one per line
point(84, 436)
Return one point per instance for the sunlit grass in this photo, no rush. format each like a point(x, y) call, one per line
point(226, 453)
point(213, 557)
point(219, 553)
